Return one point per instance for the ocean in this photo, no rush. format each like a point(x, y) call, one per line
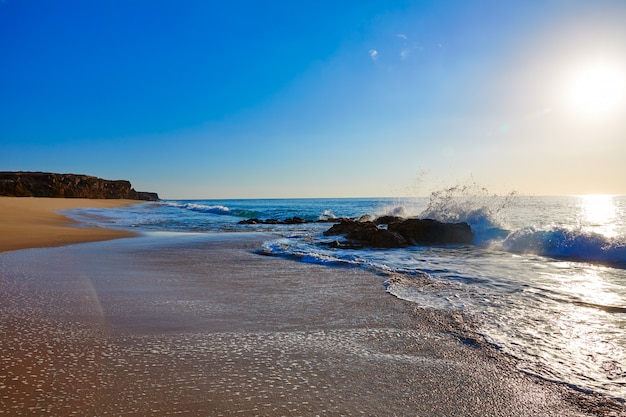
point(543, 281)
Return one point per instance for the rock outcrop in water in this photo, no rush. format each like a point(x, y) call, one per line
point(420, 231)
point(290, 220)
point(384, 232)
point(399, 233)
point(45, 184)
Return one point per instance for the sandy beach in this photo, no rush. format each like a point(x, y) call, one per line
point(33, 222)
point(202, 325)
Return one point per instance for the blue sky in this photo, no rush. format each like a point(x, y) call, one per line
point(237, 99)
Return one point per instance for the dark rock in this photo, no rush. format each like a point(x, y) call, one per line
point(362, 231)
point(388, 219)
point(295, 220)
point(367, 233)
point(45, 184)
point(387, 239)
point(291, 220)
point(147, 196)
point(424, 231)
point(251, 221)
point(344, 227)
point(371, 235)
point(400, 233)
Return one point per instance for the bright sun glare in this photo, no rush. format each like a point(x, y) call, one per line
point(597, 91)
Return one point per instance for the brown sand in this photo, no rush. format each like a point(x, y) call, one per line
point(32, 222)
point(200, 325)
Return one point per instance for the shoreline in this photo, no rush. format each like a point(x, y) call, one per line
point(204, 325)
point(33, 222)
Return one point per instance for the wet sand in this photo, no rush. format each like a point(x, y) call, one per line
point(33, 222)
point(201, 325)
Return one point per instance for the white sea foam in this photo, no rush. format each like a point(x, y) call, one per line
point(545, 279)
point(567, 244)
point(469, 203)
point(213, 209)
point(327, 215)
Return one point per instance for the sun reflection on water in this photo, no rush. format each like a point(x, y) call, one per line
point(589, 287)
point(586, 324)
point(599, 214)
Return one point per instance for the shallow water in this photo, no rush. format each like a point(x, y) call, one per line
point(545, 279)
point(199, 324)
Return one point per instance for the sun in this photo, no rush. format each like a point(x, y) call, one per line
point(597, 90)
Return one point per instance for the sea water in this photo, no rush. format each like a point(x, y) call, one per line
point(544, 279)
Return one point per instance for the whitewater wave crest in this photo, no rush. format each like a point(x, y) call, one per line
point(212, 209)
point(469, 203)
point(200, 208)
point(563, 243)
point(327, 215)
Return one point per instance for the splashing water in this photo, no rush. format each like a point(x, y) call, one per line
point(469, 203)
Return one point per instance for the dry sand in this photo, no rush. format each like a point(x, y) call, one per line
point(201, 325)
point(33, 223)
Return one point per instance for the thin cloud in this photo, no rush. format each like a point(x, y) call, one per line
point(404, 53)
point(402, 36)
point(373, 54)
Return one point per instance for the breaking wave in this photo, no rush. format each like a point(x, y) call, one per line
point(212, 209)
point(487, 215)
point(469, 203)
point(567, 244)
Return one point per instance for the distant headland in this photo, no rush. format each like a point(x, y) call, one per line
point(47, 184)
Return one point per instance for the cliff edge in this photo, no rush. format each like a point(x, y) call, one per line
point(46, 184)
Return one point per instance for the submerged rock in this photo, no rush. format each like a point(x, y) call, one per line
point(295, 220)
point(290, 220)
point(384, 232)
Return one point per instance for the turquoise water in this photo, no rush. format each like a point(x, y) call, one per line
point(544, 280)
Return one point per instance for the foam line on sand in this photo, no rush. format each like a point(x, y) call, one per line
point(201, 325)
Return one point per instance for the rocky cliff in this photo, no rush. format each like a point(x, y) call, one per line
point(46, 184)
